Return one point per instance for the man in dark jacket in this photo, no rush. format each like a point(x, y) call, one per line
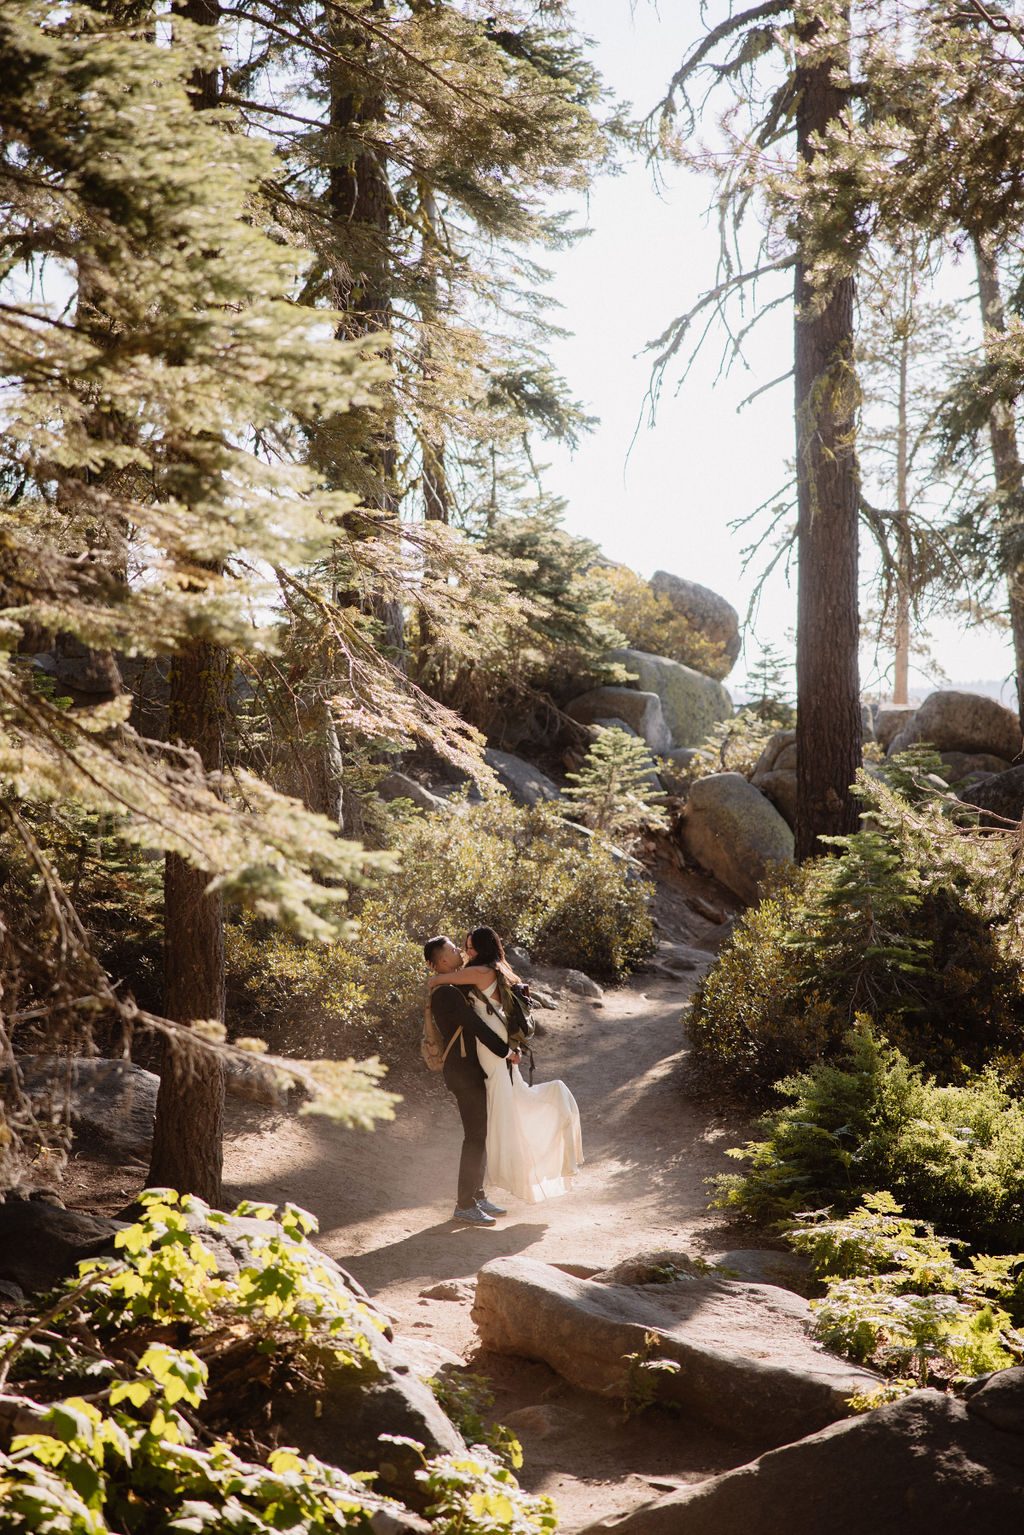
point(464, 1077)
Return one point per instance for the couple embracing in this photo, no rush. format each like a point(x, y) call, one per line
point(526, 1138)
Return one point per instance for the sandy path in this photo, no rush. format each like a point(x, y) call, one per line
point(384, 1200)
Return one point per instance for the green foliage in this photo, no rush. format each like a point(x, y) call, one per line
point(139, 1437)
point(477, 1495)
point(612, 793)
point(548, 644)
point(467, 1401)
point(916, 923)
point(525, 872)
point(734, 745)
point(139, 1449)
point(537, 880)
point(648, 621)
point(899, 1300)
point(645, 1371)
point(953, 1155)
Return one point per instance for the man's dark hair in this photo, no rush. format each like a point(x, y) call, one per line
point(432, 945)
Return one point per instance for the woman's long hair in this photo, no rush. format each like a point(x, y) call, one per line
point(489, 951)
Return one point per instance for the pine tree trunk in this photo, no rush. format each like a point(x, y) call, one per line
point(1006, 462)
point(828, 694)
point(359, 198)
point(901, 658)
point(188, 1134)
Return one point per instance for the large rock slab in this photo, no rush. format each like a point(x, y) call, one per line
point(690, 702)
point(112, 1098)
point(526, 783)
point(927, 1465)
point(1002, 794)
point(116, 1100)
point(732, 830)
point(641, 711)
point(891, 720)
point(747, 1363)
point(42, 1243)
point(709, 613)
point(962, 722)
point(962, 765)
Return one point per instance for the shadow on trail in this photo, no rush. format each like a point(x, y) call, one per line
point(441, 1251)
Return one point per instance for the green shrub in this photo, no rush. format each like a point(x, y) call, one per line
point(915, 922)
point(899, 1300)
point(523, 870)
point(952, 1155)
point(177, 1367)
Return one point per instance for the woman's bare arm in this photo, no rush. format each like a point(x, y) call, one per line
point(470, 975)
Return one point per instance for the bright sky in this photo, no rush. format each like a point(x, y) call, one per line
point(650, 254)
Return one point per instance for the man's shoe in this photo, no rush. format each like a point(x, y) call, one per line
point(474, 1216)
point(490, 1208)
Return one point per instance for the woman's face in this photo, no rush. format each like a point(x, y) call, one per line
point(469, 950)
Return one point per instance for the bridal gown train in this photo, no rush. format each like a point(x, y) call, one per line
point(534, 1145)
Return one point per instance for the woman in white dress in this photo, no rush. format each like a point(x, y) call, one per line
point(534, 1145)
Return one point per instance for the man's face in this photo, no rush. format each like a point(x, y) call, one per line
point(446, 959)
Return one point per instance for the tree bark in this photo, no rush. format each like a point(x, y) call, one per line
point(359, 199)
point(901, 658)
point(1006, 463)
point(828, 694)
point(188, 1133)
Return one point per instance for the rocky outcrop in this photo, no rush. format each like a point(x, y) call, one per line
point(927, 1464)
point(117, 1099)
point(641, 711)
point(400, 786)
point(690, 702)
point(890, 720)
point(962, 722)
point(1001, 795)
point(112, 1098)
point(745, 1360)
point(526, 783)
point(775, 774)
point(41, 1243)
point(709, 613)
point(731, 829)
point(960, 765)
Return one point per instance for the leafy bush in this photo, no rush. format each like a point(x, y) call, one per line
point(950, 1155)
point(169, 1354)
point(523, 870)
point(898, 1299)
point(648, 621)
point(549, 886)
point(916, 922)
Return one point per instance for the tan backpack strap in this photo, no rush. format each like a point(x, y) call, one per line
point(456, 1036)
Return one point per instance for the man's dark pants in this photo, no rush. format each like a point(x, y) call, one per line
point(466, 1080)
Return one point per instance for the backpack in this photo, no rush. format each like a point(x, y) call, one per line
point(432, 1046)
point(514, 997)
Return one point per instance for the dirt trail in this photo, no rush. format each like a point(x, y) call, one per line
point(384, 1202)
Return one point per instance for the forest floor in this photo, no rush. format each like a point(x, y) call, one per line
point(383, 1200)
